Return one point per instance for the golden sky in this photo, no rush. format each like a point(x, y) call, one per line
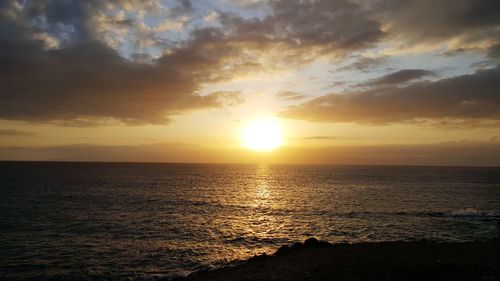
point(346, 82)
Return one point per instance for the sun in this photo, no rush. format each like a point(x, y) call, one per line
point(263, 134)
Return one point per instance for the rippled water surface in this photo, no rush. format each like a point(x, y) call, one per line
point(142, 221)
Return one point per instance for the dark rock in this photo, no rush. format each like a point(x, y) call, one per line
point(311, 243)
point(316, 260)
point(257, 257)
point(282, 250)
point(296, 245)
point(315, 243)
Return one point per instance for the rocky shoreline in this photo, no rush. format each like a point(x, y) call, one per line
point(319, 260)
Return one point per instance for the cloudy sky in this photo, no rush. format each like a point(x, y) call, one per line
point(351, 82)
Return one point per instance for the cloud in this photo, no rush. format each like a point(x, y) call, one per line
point(340, 27)
point(307, 29)
point(99, 62)
point(170, 24)
point(248, 3)
point(364, 64)
point(14, 132)
point(485, 64)
point(223, 97)
point(85, 81)
point(466, 97)
point(75, 20)
point(290, 95)
point(457, 153)
point(400, 77)
point(183, 7)
point(334, 26)
point(494, 51)
point(90, 80)
point(329, 138)
point(462, 24)
point(464, 153)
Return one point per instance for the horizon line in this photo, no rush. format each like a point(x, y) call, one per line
point(240, 163)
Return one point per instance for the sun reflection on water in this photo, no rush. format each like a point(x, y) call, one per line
point(263, 224)
point(262, 193)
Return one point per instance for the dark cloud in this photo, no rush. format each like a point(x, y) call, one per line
point(340, 26)
point(183, 7)
point(14, 132)
point(494, 51)
point(330, 26)
point(485, 64)
point(419, 21)
point(90, 80)
point(186, 5)
point(364, 64)
point(400, 77)
point(85, 81)
point(454, 52)
point(75, 20)
point(335, 23)
point(469, 97)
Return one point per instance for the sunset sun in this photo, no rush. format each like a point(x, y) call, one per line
point(249, 140)
point(264, 134)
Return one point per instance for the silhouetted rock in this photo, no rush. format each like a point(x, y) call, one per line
point(311, 243)
point(282, 250)
point(411, 261)
point(296, 245)
point(257, 257)
point(314, 243)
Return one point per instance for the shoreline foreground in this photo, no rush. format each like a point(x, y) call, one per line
point(319, 260)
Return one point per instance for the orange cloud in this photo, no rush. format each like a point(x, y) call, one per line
point(466, 97)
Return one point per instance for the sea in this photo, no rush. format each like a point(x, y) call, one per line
point(148, 221)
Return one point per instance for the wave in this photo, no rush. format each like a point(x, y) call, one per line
point(467, 213)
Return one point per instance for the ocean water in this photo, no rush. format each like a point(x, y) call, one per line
point(100, 221)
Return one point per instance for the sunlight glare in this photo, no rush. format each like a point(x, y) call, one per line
point(264, 134)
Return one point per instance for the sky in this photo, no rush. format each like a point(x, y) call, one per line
point(383, 82)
